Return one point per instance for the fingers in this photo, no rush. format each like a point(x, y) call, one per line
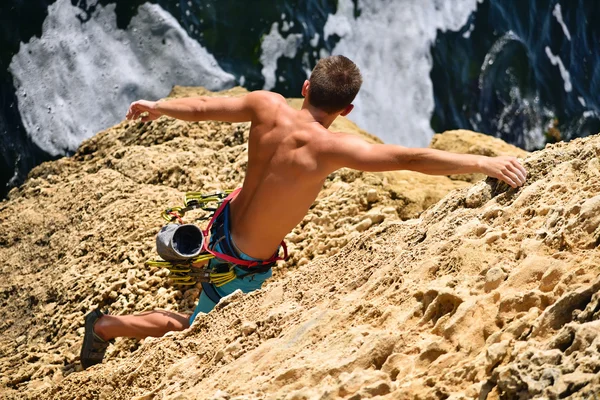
point(513, 173)
point(507, 169)
point(520, 167)
point(143, 110)
point(135, 109)
point(511, 178)
point(131, 112)
point(518, 173)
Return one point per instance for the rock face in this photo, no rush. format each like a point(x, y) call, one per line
point(491, 293)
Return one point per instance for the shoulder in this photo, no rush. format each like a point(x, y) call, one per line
point(263, 97)
point(264, 104)
point(335, 148)
point(332, 142)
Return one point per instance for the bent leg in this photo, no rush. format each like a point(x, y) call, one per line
point(205, 305)
point(151, 323)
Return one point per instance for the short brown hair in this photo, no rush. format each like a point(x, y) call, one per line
point(334, 83)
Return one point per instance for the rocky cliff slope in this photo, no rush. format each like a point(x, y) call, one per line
point(491, 293)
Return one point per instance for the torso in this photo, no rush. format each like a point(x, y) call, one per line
point(283, 178)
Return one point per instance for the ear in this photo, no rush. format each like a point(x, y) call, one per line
point(305, 86)
point(347, 110)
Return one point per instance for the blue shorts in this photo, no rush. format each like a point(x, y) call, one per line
point(221, 242)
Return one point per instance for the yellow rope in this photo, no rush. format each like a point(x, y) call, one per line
point(178, 271)
point(220, 279)
point(182, 280)
point(202, 199)
point(159, 263)
point(202, 258)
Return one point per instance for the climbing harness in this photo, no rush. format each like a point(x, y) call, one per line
point(235, 260)
point(190, 270)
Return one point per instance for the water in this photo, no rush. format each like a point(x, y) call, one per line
point(522, 71)
point(518, 70)
point(390, 41)
point(78, 78)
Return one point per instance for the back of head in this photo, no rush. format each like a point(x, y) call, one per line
point(334, 83)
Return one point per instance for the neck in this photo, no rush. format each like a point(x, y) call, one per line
point(317, 115)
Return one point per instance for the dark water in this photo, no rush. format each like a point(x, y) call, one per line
point(501, 81)
point(19, 20)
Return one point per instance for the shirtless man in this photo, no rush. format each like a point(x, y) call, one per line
point(290, 154)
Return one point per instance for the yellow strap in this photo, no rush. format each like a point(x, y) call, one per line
point(176, 210)
point(169, 264)
point(222, 278)
point(202, 257)
point(186, 281)
point(158, 263)
point(201, 199)
point(179, 271)
point(217, 279)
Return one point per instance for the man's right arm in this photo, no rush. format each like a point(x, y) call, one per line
point(229, 109)
point(344, 150)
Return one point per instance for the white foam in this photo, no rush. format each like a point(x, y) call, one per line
point(390, 42)
point(557, 12)
point(13, 181)
point(274, 46)
point(79, 78)
point(315, 40)
point(564, 73)
point(469, 31)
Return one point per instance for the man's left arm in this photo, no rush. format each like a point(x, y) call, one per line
point(344, 150)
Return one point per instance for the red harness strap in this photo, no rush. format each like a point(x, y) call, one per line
point(234, 260)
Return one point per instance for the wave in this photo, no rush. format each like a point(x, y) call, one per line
point(79, 77)
point(390, 41)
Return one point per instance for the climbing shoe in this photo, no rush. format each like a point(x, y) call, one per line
point(94, 347)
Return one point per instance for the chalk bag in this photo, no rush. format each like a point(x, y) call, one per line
point(177, 242)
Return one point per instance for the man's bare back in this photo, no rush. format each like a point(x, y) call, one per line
point(283, 179)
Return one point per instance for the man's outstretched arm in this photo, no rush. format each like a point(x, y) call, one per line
point(229, 109)
point(353, 152)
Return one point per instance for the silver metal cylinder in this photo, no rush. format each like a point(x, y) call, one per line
point(177, 242)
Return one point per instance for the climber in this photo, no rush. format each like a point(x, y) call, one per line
point(290, 154)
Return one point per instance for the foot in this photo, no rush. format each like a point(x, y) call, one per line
point(94, 347)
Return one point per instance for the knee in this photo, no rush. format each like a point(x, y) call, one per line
point(178, 324)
